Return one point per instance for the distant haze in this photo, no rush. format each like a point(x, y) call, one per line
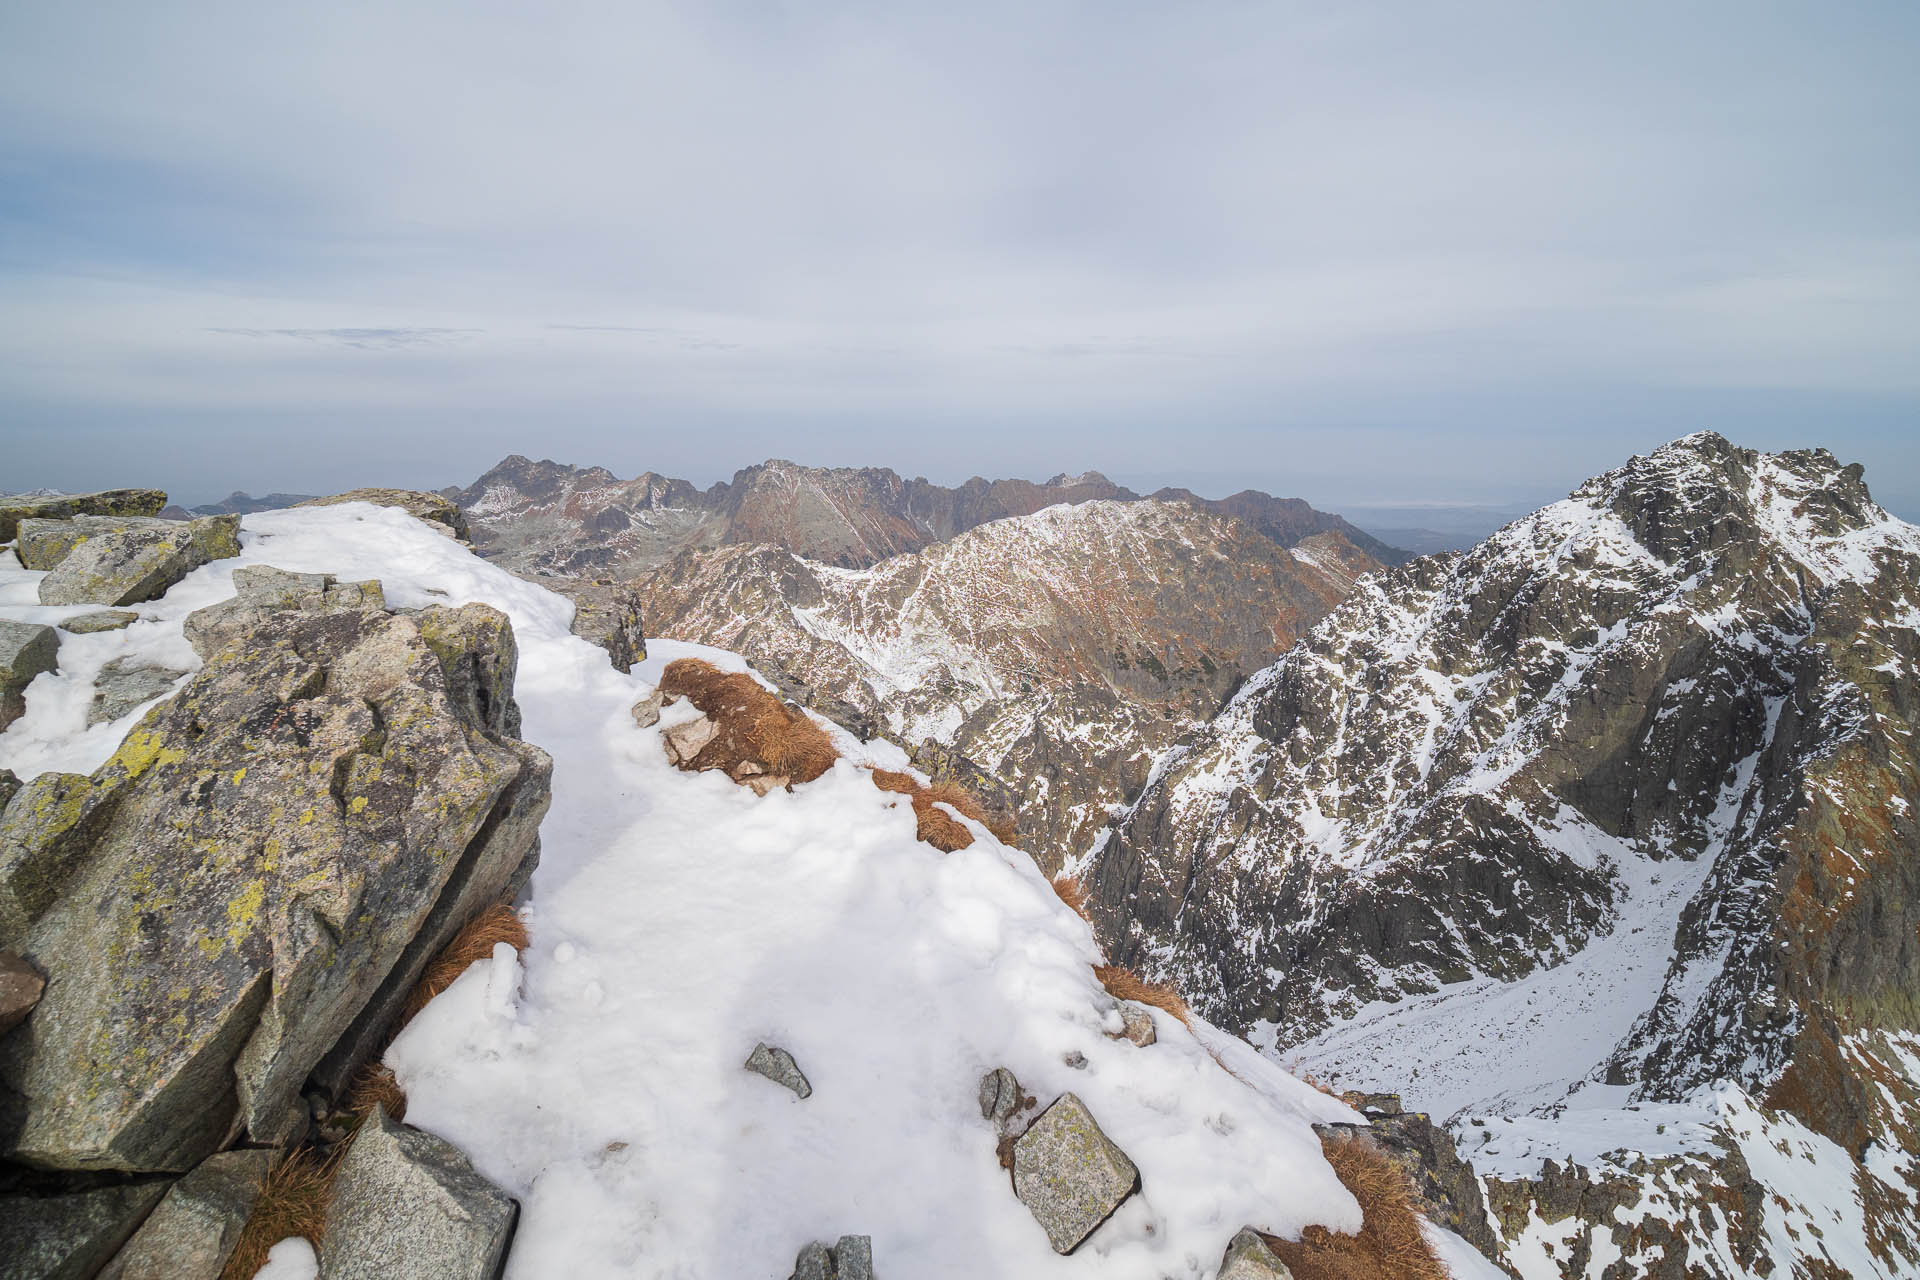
point(1371, 255)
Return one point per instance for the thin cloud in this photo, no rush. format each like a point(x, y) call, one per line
point(359, 339)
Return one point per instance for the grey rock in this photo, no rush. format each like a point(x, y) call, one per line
point(1001, 1098)
point(1138, 1024)
point(107, 502)
point(20, 988)
point(815, 1262)
point(1074, 1059)
point(608, 614)
point(1248, 1258)
point(242, 895)
point(26, 650)
point(42, 544)
point(70, 1235)
point(434, 509)
point(9, 787)
point(124, 684)
point(86, 624)
point(262, 591)
point(778, 1066)
point(646, 712)
point(685, 740)
point(1069, 1174)
point(850, 1258)
point(136, 560)
point(194, 1229)
point(409, 1206)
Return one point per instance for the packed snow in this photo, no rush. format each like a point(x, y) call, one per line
point(677, 920)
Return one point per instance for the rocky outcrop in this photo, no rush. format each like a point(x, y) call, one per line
point(433, 508)
point(86, 624)
point(608, 614)
point(409, 1206)
point(106, 502)
point(243, 894)
point(193, 1231)
point(1069, 1174)
point(27, 649)
point(119, 561)
point(1445, 1188)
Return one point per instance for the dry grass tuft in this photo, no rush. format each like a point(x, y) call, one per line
point(1071, 891)
point(292, 1203)
point(376, 1086)
point(1390, 1244)
point(756, 728)
point(1123, 983)
point(475, 941)
point(935, 825)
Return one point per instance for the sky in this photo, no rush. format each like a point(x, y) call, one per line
point(1373, 255)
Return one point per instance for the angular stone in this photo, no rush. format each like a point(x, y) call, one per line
point(136, 560)
point(431, 507)
point(86, 624)
point(124, 684)
point(261, 591)
point(26, 650)
point(20, 988)
point(409, 1206)
point(646, 712)
point(768, 782)
point(190, 1235)
point(778, 1066)
point(42, 544)
point(1000, 1098)
point(107, 502)
point(815, 1262)
point(609, 615)
point(9, 787)
point(853, 1258)
point(1248, 1258)
point(255, 878)
point(684, 741)
point(1069, 1174)
point(1138, 1024)
point(70, 1236)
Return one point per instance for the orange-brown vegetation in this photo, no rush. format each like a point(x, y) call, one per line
point(934, 825)
point(293, 1202)
point(376, 1086)
point(475, 941)
point(1123, 983)
point(1389, 1245)
point(755, 728)
point(1071, 891)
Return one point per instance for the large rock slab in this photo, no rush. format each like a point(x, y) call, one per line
point(41, 544)
point(194, 1230)
point(26, 650)
point(127, 561)
point(70, 1235)
point(107, 502)
point(409, 1206)
point(256, 877)
point(431, 507)
point(1069, 1174)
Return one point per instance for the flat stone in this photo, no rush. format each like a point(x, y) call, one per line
point(440, 512)
point(261, 591)
point(646, 712)
point(107, 502)
point(20, 988)
point(124, 684)
point(685, 740)
point(136, 560)
point(409, 1206)
point(1248, 1258)
point(42, 544)
point(26, 650)
point(72, 1235)
point(778, 1066)
point(194, 1230)
point(86, 624)
point(1069, 1174)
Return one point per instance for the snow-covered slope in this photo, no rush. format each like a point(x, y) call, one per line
point(677, 920)
point(1604, 830)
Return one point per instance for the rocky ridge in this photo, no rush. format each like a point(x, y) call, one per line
point(1612, 815)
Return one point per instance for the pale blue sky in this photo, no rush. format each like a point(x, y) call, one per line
point(1355, 252)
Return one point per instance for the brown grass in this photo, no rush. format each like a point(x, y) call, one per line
point(1389, 1246)
point(292, 1203)
point(936, 826)
point(376, 1086)
point(475, 941)
point(755, 726)
point(1123, 983)
point(1071, 891)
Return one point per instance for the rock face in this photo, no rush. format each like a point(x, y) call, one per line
point(1052, 655)
point(107, 502)
point(430, 507)
point(71, 1235)
point(255, 879)
point(1445, 1187)
point(1626, 796)
point(1070, 1174)
point(408, 1206)
point(194, 1229)
point(26, 650)
point(120, 561)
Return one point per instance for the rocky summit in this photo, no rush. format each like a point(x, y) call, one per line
point(1600, 840)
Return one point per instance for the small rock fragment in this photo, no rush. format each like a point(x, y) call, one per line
point(850, 1258)
point(1138, 1024)
point(1075, 1059)
point(1069, 1174)
point(778, 1066)
point(1248, 1258)
point(814, 1263)
point(685, 740)
point(646, 712)
point(767, 782)
point(100, 620)
point(1000, 1097)
point(20, 988)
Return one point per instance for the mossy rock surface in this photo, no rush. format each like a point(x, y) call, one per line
point(106, 502)
point(120, 562)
